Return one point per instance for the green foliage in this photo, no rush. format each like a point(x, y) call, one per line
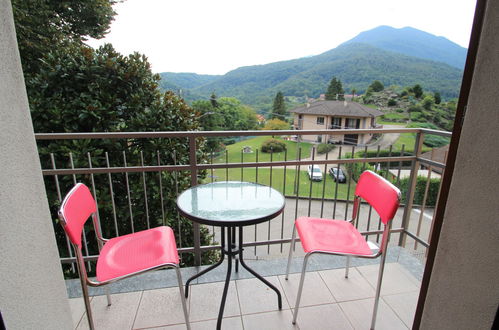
point(335, 90)
point(273, 145)
point(395, 117)
point(392, 102)
point(276, 124)
point(324, 148)
point(278, 107)
point(73, 88)
point(376, 86)
point(432, 141)
point(437, 97)
point(43, 25)
point(428, 102)
point(421, 182)
point(417, 90)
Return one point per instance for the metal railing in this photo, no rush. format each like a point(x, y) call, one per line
point(143, 186)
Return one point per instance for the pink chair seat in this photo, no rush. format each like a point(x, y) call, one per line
point(335, 236)
point(135, 252)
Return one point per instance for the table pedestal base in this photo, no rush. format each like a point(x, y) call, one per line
point(231, 251)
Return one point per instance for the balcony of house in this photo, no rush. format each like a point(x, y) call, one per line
point(136, 190)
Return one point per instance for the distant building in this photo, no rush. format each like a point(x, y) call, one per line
point(261, 119)
point(335, 115)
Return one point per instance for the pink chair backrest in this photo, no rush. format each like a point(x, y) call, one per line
point(76, 208)
point(380, 194)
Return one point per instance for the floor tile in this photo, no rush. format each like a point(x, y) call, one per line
point(281, 320)
point(344, 289)
point(205, 301)
point(77, 306)
point(395, 278)
point(315, 291)
point(328, 316)
point(404, 305)
point(120, 315)
point(160, 307)
point(229, 323)
point(359, 312)
point(256, 297)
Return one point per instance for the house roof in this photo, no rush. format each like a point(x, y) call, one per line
point(337, 108)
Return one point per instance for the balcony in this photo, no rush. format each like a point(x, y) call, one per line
point(328, 298)
point(266, 245)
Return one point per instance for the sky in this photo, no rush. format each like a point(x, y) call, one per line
point(214, 37)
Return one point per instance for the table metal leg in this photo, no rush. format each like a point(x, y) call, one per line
point(279, 299)
point(227, 278)
point(209, 268)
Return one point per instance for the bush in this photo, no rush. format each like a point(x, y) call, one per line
point(431, 199)
point(324, 148)
point(399, 110)
point(273, 145)
point(392, 102)
point(435, 141)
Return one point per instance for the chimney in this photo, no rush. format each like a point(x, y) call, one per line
point(308, 105)
point(345, 103)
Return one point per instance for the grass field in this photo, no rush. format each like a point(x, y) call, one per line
point(286, 183)
point(234, 151)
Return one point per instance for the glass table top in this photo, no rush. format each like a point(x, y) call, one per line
point(230, 203)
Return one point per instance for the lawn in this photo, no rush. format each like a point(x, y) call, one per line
point(250, 174)
point(234, 151)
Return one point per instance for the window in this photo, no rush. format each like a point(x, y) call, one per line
point(320, 120)
point(352, 123)
point(336, 123)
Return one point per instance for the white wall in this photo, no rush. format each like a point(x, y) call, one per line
point(464, 286)
point(32, 290)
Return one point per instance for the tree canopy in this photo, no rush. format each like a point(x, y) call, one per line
point(335, 90)
point(278, 107)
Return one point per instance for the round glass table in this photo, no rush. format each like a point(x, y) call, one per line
point(231, 205)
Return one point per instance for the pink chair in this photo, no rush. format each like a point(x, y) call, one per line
point(120, 257)
point(339, 237)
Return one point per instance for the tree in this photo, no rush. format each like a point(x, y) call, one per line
point(213, 100)
point(278, 107)
point(376, 86)
point(276, 124)
point(335, 90)
point(417, 90)
point(437, 97)
point(42, 25)
point(428, 102)
point(73, 88)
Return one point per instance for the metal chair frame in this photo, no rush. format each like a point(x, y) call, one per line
point(381, 252)
point(85, 281)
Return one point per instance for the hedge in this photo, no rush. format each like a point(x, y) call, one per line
point(431, 199)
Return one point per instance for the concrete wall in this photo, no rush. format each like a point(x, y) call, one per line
point(32, 289)
point(464, 285)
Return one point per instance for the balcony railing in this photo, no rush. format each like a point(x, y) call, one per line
point(282, 171)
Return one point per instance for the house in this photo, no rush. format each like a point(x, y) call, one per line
point(324, 114)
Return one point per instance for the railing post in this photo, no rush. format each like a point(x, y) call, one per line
point(411, 188)
point(194, 182)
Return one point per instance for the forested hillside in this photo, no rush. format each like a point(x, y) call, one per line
point(355, 64)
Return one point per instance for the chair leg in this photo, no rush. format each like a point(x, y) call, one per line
point(182, 297)
point(347, 266)
point(291, 248)
point(378, 289)
point(86, 299)
point(108, 295)
point(300, 287)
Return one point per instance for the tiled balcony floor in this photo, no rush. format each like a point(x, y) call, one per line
point(329, 301)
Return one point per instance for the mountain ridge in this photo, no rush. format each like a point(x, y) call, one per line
point(355, 63)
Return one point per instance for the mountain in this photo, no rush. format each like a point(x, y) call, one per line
point(413, 42)
point(356, 64)
point(185, 79)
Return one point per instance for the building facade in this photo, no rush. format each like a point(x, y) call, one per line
point(324, 114)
